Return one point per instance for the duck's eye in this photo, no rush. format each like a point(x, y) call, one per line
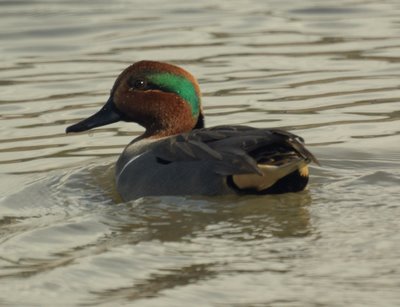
point(138, 84)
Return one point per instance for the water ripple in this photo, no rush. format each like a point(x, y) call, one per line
point(329, 72)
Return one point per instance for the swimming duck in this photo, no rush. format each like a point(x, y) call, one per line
point(177, 155)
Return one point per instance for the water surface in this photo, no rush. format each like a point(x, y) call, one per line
point(326, 71)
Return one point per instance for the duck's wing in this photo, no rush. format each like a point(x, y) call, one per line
point(235, 148)
point(218, 160)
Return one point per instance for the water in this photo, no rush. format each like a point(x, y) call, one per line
point(327, 71)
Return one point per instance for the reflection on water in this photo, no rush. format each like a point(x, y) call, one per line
point(327, 71)
point(186, 228)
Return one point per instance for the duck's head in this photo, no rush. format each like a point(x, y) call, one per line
point(163, 98)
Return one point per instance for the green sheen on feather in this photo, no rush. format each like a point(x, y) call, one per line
point(180, 86)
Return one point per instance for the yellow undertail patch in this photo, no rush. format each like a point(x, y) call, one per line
point(304, 172)
point(271, 174)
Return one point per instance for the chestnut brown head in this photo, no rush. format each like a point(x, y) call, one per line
point(163, 98)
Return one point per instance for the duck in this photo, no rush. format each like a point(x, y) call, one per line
point(177, 155)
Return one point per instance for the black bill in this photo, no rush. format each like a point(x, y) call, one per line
point(108, 114)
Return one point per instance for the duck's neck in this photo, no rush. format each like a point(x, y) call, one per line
point(158, 130)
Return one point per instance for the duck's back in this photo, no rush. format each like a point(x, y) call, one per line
point(215, 161)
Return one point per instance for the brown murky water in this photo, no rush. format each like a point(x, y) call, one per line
point(328, 71)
